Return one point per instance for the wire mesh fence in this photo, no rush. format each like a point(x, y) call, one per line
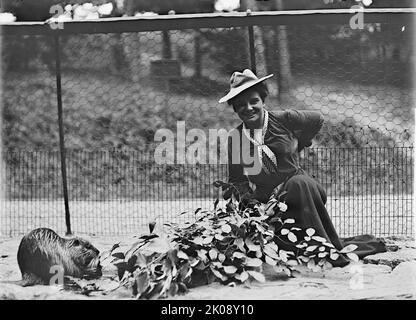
point(369, 190)
point(119, 89)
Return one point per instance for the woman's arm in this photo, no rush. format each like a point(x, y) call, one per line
point(305, 125)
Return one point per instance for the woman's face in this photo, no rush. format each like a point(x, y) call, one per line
point(249, 107)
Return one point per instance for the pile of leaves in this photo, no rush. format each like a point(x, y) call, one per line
point(230, 245)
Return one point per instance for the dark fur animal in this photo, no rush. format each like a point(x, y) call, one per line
point(42, 248)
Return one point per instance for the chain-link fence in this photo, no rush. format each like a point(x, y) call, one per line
point(119, 88)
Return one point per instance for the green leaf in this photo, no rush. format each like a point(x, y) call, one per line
point(121, 268)
point(292, 263)
point(349, 248)
point(219, 237)
point(270, 208)
point(334, 256)
point(230, 269)
point(142, 281)
point(260, 228)
point(284, 231)
point(152, 226)
point(327, 266)
point(270, 261)
point(221, 257)
point(226, 228)
point(253, 262)
point(141, 260)
point(257, 275)
point(201, 266)
point(182, 287)
point(119, 255)
point(269, 233)
point(184, 271)
point(202, 254)
point(310, 232)
point(251, 246)
point(243, 276)
point(322, 254)
point(218, 274)
point(188, 274)
point(166, 285)
point(115, 246)
point(240, 244)
point(322, 248)
point(208, 240)
point(311, 264)
point(272, 245)
point(155, 291)
point(289, 221)
point(219, 183)
point(108, 253)
point(193, 262)
point(239, 255)
point(328, 244)
point(182, 255)
point(173, 290)
point(292, 237)
point(216, 203)
point(171, 255)
point(131, 263)
point(213, 254)
point(320, 239)
point(353, 256)
point(261, 209)
point(311, 248)
point(270, 252)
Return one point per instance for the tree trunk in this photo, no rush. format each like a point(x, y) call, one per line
point(166, 45)
point(131, 48)
point(197, 55)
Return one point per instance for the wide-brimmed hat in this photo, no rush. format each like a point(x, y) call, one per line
point(241, 81)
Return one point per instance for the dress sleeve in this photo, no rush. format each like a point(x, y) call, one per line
point(304, 124)
point(236, 176)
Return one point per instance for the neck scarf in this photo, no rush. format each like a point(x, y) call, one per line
point(266, 156)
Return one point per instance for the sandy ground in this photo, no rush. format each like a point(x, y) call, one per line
point(390, 275)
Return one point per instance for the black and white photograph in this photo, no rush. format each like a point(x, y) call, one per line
point(227, 151)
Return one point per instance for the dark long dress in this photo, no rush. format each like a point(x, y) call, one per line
point(287, 133)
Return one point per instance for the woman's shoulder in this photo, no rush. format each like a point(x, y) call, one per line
point(290, 115)
point(281, 116)
point(277, 114)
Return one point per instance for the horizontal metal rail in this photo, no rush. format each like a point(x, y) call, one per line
point(210, 20)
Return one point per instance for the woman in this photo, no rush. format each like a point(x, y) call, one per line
point(264, 153)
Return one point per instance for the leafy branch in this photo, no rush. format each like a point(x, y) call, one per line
point(229, 245)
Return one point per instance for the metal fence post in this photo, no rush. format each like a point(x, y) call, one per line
point(252, 49)
point(61, 133)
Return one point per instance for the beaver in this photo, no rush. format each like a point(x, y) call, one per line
point(43, 248)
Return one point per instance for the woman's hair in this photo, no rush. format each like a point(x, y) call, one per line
point(261, 89)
